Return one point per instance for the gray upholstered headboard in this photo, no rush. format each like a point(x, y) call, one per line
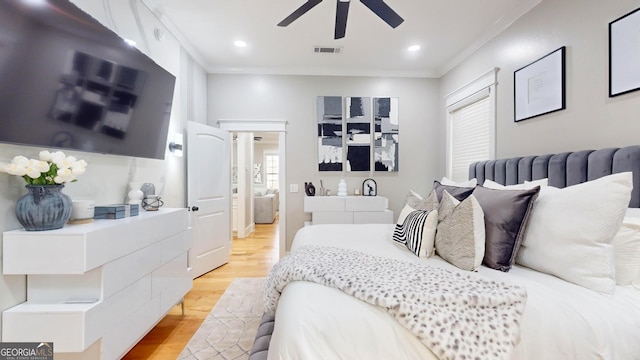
point(563, 169)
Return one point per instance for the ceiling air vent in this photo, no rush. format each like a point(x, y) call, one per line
point(327, 50)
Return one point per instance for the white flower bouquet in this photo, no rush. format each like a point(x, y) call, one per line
point(53, 168)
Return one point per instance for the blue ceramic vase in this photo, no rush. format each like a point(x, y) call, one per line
point(44, 207)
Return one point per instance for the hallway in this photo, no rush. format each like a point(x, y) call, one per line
point(252, 256)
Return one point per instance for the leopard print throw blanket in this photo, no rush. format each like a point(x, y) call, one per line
point(456, 315)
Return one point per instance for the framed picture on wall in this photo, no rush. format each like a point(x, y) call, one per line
point(539, 88)
point(624, 54)
point(386, 124)
point(358, 133)
point(329, 117)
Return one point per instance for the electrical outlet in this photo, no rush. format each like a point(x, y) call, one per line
point(293, 188)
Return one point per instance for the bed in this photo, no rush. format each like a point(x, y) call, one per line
point(582, 298)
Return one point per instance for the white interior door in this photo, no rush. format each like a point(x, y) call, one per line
point(209, 195)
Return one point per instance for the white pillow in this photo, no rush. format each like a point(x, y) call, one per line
point(403, 213)
point(460, 235)
point(626, 249)
point(526, 186)
point(469, 183)
point(570, 231)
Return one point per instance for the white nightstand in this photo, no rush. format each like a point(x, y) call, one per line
point(348, 209)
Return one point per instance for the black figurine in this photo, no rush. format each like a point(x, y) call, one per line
point(309, 189)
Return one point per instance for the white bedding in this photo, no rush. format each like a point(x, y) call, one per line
point(561, 320)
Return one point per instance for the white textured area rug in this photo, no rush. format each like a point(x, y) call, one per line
point(228, 331)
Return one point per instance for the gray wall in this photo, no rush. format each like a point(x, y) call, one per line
point(293, 98)
point(591, 120)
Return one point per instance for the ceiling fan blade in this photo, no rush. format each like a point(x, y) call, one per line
point(380, 8)
point(299, 12)
point(342, 11)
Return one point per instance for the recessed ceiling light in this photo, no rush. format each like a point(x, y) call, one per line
point(414, 48)
point(240, 43)
point(130, 42)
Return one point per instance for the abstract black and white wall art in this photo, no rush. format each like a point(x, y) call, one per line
point(364, 120)
point(329, 109)
point(386, 126)
point(358, 133)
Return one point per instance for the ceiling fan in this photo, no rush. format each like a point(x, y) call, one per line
point(379, 7)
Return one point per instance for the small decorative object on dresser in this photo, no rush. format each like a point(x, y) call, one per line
point(369, 188)
point(82, 211)
point(309, 189)
point(321, 190)
point(148, 189)
point(116, 211)
point(342, 188)
point(135, 193)
point(44, 207)
point(152, 202)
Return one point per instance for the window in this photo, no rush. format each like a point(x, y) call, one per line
point(470, 125)
point(469, 137)
point(272, 168)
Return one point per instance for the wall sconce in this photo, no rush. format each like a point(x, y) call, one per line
point(175, 147)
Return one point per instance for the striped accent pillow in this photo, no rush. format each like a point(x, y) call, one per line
point(417, 232)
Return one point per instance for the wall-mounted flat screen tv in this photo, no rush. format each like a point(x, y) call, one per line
point(68, 82)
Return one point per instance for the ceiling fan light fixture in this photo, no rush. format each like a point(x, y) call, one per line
point(240, 43)
point(414, 48)
point(378, 7)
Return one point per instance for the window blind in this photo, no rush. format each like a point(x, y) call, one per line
point(470, 139)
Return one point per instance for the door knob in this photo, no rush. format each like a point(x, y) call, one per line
point(194, 208)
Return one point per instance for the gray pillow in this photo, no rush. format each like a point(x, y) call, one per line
point(458, 192)
point(506, 213)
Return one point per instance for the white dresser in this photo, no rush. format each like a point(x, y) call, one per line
point(348, 209)
point(96, 289)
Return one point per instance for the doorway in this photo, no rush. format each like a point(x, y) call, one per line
point(268, 126)
point(255, 180)
point(266, 176)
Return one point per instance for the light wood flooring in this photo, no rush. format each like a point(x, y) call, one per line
point(250, 257)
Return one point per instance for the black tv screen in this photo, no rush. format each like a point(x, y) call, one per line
point(68, 82)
